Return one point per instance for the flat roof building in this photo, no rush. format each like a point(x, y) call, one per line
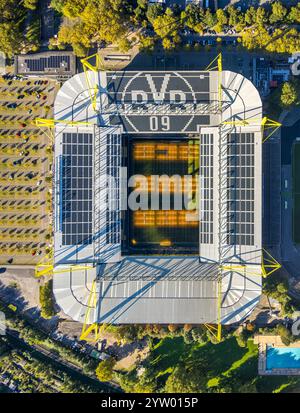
point(158, 264)
point(56, 64)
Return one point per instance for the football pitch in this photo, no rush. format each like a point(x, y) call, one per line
point(164, 231)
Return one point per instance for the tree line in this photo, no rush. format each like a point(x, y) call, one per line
point(19, 30)
point(126, 23)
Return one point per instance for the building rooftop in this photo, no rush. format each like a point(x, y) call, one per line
point(52, 63)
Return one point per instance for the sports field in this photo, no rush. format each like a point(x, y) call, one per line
point(165, 230)
point(296, 193)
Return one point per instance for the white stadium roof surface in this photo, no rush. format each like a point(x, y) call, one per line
point(88, 242)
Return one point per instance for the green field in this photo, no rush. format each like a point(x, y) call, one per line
point(161, 157)
point(212, 368)
point(296, 193)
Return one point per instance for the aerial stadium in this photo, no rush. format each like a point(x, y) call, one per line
point(157, 262)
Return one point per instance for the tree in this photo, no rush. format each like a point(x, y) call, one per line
point(124, 44)
point(250, 16)
point(199, 334)
point(167, 25)
point(261, 16)
point(133, 383)
point(10, 39)
point(172, 328)
point(154, 11)
point(192, 17)
point(140, 10)
point(106, 19)
point(242, 337)
point(73, 8)
point(233, 14)
point(289, 94)
point(187, 327)
point(127, 332)
point(47, 300)
point(222, 20)
point(146, 43)
point(30, 4)
point(74, 34)
point(294, 15)
point(187, 380)
point(279, 12)
point(105, 371)
point(282, 288)
point(57, 5)
point(209, 18)
point(285, 334)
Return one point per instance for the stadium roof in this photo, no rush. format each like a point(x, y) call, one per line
point(160, 289)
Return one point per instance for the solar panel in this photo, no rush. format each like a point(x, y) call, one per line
point(206, 173)
point(240, 193)
point(113, 213)
point(51, 62)
point(77, 188)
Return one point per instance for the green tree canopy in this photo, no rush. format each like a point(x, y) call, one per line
point(105, 371)
point(289, 95)
point(279, 12)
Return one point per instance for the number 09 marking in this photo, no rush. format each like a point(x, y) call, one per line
point(159, 123)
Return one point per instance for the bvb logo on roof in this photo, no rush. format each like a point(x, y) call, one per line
point(159, 89)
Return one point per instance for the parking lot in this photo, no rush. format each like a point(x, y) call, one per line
point(25, 170)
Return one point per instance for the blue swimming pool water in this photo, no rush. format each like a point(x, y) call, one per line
point(283, 358)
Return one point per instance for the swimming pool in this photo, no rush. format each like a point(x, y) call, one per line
point(283, 358)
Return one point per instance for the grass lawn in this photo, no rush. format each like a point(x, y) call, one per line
point(226, 359)
point(166, 354)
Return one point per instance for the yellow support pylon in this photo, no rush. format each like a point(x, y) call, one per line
point(219, 326)
point(88, 66)
point(269, 264)
point(216, 329)
point(88, 328)
point(265, 123)
point(217, 65)
point(45, 266)
point(50, 123)
point(43, 269)
point(73, 268)
point(269, 124)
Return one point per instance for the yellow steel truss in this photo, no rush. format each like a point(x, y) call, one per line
point(88, 328)
point(73, 268)
point(217, 65)
point(219, 326)
point(50, 123)
point(91, 332)
point(88, 66)
point(265, 124)
point(269, 264)
point(216, 329)
point(45, 266)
